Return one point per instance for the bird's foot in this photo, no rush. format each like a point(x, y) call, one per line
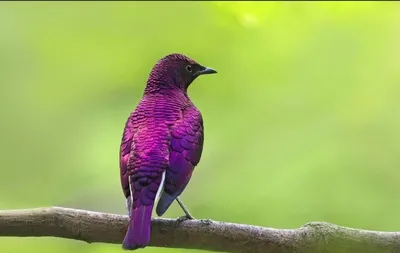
point(206, 221)
point(185, 218)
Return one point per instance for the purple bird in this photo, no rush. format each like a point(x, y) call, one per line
point(161, 144)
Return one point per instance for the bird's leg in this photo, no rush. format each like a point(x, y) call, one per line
point(188, 215)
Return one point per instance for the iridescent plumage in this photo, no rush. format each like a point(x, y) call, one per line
point(162, 139)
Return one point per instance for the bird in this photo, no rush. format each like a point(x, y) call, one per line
point(161, 144)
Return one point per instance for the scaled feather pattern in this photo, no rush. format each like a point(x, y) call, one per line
point(163, 137)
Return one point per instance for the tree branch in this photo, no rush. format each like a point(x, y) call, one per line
point(92, 227)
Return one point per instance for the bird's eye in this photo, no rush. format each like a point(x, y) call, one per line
point(189, 68)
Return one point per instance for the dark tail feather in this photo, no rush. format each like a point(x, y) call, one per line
point(164, 202)
point(167, 199)
point(138, 234)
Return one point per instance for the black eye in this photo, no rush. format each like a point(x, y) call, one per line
point(189, 68)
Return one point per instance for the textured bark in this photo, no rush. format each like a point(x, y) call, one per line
point(92, 227)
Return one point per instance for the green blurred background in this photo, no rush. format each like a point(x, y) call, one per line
point(301, 122)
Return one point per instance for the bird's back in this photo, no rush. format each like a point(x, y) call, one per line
point(145, 144)
point(144, 159)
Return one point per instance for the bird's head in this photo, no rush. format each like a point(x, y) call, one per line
point(176, 70)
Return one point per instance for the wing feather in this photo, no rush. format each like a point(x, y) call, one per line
point(186, 147)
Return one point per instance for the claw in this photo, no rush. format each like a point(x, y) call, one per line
point(184, 218)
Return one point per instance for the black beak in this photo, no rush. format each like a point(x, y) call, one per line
point(205, 71)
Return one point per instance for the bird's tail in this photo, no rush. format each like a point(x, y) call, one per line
point(138, 234)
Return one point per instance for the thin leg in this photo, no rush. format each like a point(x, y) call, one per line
point(188, 215)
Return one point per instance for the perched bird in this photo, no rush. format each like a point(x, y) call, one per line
point(161, 144)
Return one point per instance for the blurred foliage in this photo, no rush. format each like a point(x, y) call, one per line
point(301, 122)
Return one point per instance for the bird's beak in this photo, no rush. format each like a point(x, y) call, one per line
point(205, 71)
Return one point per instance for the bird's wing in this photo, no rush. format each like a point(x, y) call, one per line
point(187, 136)
point(125, 149)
